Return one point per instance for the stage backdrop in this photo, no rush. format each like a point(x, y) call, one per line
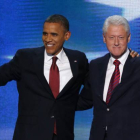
point(21, 23)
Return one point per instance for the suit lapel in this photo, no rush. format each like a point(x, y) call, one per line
point(128, 69)
point(73, 62)
point(39, 68)
point(102, 67)
point(126, 77)
point(74, 68)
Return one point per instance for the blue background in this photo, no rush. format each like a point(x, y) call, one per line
point(21, 23)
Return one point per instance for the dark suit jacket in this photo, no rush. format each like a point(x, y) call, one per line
point(37, 108)
point(122, 114)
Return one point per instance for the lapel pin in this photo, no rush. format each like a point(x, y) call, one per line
point(75, 60)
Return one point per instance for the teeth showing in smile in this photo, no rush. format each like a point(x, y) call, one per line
point(49, 45)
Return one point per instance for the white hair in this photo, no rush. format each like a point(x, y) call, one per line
point(116, 20)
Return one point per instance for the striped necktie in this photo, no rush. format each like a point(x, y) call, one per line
point(114, 80)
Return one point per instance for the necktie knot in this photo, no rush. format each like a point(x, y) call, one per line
point(116, 62)
point(54, 59)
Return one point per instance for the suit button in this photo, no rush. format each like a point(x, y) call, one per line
point(108, 109)
point(52, 117)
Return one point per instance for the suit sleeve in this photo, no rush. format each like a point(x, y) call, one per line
point(10, 71)
point(85, 98)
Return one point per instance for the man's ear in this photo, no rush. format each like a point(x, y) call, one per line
point(67, 35)
point(104, 40)
point(129, 36)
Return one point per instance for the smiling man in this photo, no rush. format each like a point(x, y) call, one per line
point(54, 35)
point(48, 81)
point(116, 39)
point(113, 86)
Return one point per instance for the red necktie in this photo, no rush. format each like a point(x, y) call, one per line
point(54, 78)
point(114, 80)
point(54, 81)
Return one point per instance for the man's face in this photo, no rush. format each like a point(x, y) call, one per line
point(54, 35)
point(116, 39)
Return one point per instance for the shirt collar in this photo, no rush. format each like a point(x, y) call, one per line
point(122, 59)
point(60, 56)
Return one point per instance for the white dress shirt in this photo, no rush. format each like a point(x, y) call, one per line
point(110, 70)
point(63, 64)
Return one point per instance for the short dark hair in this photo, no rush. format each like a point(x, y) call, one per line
point(58, 19)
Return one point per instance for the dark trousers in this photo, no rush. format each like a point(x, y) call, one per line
point(54, 137)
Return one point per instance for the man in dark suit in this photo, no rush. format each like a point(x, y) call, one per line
point(113, 87)
point(48, 92)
